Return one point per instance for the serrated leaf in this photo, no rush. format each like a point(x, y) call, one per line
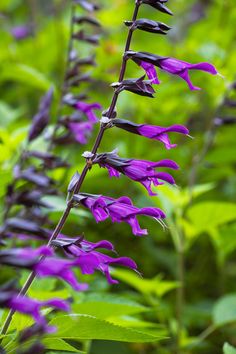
point(82, 327)
point(224, 311)
point(105, 306)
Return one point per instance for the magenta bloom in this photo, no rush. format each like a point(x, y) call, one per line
point(87, 109)
point(151, 131)
point(119, 210)
point(89, 260)
point(181, 68)
point(150, 71)
point(21, 32)
point(24, 257)
point(32, 307)
point(60, 268)
point(138, 170)
point(81, 131)
point(171, 65)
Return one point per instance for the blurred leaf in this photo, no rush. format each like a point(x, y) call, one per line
point(208, 215)
point(172, 197)
point(25, 74)
point(155, 285)
point(224, 310)
point(8, 114)
point(228, 349)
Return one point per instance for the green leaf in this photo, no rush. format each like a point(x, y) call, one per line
point(135, 323)
point(155, 285)
point(59, 344)
point(25, 74)
point(228, 349)
point(8, 114)
point(104, 306)
point(172, 197)
point(224, 311)
point(81, 327)
point(206, 216)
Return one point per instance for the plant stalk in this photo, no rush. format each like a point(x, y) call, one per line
point(79, 183)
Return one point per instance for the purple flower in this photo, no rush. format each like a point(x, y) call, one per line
point(24, 257)
point(181, 68)
point(138, 170)
point(87, 109)
point(89, 260)
point(150, 71)
point(32, 307)
point(81, 131)
point(119, 210)
point(170, 65)
point(151, 131)
point(60, 268)
point(21, 32)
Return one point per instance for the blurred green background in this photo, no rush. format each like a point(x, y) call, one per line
point(198, 248)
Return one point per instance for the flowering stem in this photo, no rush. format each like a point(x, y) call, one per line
point(79, 183)
point(64, 86)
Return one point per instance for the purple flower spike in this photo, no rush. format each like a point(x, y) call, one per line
point(150, 71)
point(87, 109)
point(181, 68)
point(138, 170)
point(32, 307)
point(81, 131)
point(119, 210)
point(151, 131)
point(56, 267)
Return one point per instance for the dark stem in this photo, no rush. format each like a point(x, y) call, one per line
point(78, 185)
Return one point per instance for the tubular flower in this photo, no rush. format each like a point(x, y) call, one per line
point(181, 68)
point(32, 307)
point(87, 109)
point(151, 131)
point(89, 260)
point(81, 131)
point(119, 210)
point(150, 72)
point(171, 65)
point(24, 257)
point(60, 268)
point(138, 170)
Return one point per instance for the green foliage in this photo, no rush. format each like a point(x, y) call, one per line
point(155, 286)
point(228, 349)
point(107, 305)
point(224, 310)
point(207, 216)
point(59, 344)
point(85, 327)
